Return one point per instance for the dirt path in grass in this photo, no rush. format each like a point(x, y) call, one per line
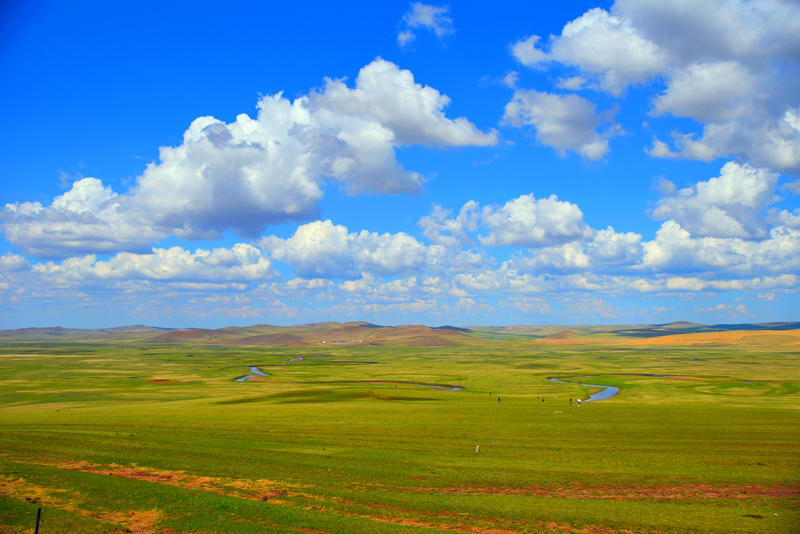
point(304, 497)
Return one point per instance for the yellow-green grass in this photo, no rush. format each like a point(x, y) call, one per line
point(149, 438)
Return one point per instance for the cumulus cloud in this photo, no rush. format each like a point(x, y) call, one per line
point(529, 222)
point(242, 262)
point(451, 232)
point(423, 16)
point(321, 249)
point(674, 249)
point(731, 205)
point(254, 172)
point(708, 92)
point(87, 218)
point(606, 46)
point(524, 221)
point(732, 66)
point(608, 250)
point(564, 122)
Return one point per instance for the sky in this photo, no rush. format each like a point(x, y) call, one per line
point(188, 164)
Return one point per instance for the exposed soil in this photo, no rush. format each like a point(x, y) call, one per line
point(140, 522)
point(136, 522)
point(256, 490)
point(664, 492)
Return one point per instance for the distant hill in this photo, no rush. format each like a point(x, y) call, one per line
point(363, 333)
point(353, 333)
point(79, 334)
point(751, 336)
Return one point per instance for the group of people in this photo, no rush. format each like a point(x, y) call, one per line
point(570, 400)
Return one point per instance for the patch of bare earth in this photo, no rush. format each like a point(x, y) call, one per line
point(402, 516)
point(22, 490)
point(255, 490)
point(135, 522)
point(664, 492)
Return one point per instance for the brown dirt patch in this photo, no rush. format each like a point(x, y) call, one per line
point(134, 522)
point(256, 490)
point(159, 381)
point(664, 492)
point(498, 526)
point(22, 490)
point(256, 379)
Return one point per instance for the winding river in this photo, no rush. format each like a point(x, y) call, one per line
point(439, 387)
point(256, 373)
point(606, 393)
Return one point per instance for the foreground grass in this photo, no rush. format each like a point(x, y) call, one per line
point(114, 438)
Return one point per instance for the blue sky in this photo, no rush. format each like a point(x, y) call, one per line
point(632, 161)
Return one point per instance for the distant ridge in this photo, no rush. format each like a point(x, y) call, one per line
point(564, 334)
point(352, 333)
point(365, 333)
point(448, 327)
point(117, 332)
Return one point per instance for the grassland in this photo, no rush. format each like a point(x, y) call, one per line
point(128, 435)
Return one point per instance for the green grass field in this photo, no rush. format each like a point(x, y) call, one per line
point(135, 437)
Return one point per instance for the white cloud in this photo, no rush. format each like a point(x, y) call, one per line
point(564, 122)
point(785, 218)
point(88, 217)
point(572, 83)
point(405, 37)
point(708, 92)
point(608, 250)
point(388, 97)
point(526, 52)
point(241, 262)
point(732, 310)
point(603, 45)
point(423, 16)
point(321, 249)
point(10, 263)
point(687, 148)
point(675, 250)
point(253, 172)
point(511, 79)
point(730, 65)
point(451, 232)
point(731, 205)
point(529, 222)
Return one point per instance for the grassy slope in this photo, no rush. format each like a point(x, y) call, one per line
point(385, 457)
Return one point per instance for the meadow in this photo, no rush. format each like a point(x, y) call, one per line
point(130, 435)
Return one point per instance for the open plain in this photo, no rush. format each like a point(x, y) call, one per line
point(357, 428)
